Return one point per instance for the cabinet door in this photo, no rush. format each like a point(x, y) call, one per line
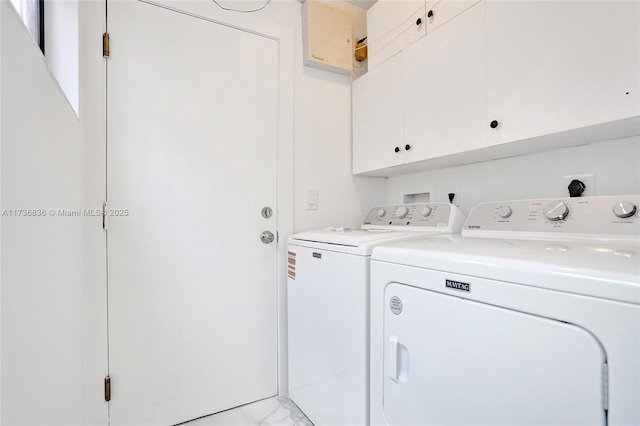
point(392, 25)
point(442, 11)
point(378, 123)
point(445, 89)
point(559, 65)
point(393, 41)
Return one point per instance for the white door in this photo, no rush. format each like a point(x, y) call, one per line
point(452, 361)
point(192, 146)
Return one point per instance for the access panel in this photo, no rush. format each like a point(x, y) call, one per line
point(449, 360)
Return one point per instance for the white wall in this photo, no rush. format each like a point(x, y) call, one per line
point(61, 45)
point(616, 165)
point(43, 309)
point(1, 9)
point(323, 155)
point(322, 152)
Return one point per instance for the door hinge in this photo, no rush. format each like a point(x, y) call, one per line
point(107, 388)
point(605, 386)
point(104, 216)
point(105, 45)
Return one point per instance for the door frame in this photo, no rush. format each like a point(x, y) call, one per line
point(284, 36)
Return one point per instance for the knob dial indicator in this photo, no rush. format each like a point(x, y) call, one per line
point(426, 212)
point(504, 211)
point(624, 209)
point(381, 213)
point(402, 212)
point(555, 211)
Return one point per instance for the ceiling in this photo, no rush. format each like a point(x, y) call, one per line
point(365, 4)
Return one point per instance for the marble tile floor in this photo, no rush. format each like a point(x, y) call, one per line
point(278, 411)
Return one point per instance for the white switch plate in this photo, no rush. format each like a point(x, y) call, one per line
point(312, 199)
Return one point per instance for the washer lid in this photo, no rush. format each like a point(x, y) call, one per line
point(349, 237)
point(608, 270)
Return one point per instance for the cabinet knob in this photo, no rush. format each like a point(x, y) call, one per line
point(397, 149)
point(494, 124)
point(407, 147)
point(430, 14)
point(419, 21)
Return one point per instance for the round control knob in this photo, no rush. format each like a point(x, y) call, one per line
point(556, 210)
point(624, 209)
point(402, 212)
point(382, 212)
point(504, 211)
point(426, 211)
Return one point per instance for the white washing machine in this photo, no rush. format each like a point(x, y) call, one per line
point(328, 307)
point(531, 317)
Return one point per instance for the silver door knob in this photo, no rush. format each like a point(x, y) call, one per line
point(267, 237)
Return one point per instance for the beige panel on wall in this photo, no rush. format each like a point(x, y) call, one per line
point(327, 37)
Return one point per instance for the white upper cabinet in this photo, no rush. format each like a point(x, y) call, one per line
point(553, 66)
point(378, 118)
point(391, 26)
point(494, 78)
point(440, 12)
point(445, 100)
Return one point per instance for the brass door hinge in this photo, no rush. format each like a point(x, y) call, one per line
point(105, 45)
point(107, 388)
point(104, 215)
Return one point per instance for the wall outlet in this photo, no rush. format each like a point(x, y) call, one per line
point(445, 190)
point(589, 180)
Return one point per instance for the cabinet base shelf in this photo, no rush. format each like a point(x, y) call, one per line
point(613, 130)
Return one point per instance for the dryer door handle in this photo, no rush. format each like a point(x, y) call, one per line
point(392, 357)
point(397, 360)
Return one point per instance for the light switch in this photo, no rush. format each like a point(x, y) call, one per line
point(312, 199)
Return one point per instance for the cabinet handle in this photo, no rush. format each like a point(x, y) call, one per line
point(419, 21)
point(430, 14)
point(407, 147)
point(397, 149)
point(494, 124)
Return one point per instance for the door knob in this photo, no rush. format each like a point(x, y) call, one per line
point(267, 237)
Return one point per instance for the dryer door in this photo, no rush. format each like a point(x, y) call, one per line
point(450, 361)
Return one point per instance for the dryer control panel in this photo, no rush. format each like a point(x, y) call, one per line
point(580, 217)
point(416, 216)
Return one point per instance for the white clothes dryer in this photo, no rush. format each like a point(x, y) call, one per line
point(328, 307)
point(531, 317)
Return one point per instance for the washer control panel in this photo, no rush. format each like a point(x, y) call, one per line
point(415, 215)
point(589, 216)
